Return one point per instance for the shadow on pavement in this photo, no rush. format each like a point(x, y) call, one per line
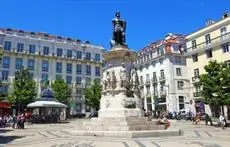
point(7, 139)
point(5, 130)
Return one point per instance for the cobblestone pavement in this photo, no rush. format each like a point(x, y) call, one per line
point(62, 135)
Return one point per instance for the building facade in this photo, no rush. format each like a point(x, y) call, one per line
point(208, 43)
point(163, 75)
point(48, 58)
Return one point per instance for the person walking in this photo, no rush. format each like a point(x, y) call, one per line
point(222, 121)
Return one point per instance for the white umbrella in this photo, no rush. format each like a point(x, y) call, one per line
point(46, 104)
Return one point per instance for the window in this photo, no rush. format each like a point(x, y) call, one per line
point(162, 74)
point(181, 102)
point(46, 50)
point(87, 81)
point(5, 74)
point(78, 107)
point(68, 79)
point(196, 72)
point(225, 47)
point(32, 48)
point(78, 80)
point(97, 71)
point(31, 75)
point(20, 47)
point(6, 62)
point(19, 63)
point(7, 45)
point(141, 80)
point(88, 56)
point(162, 86)
point(79, 67)
point(207, 39)
point(195, 58)
point(194, 44)
point(88, 70)
point(154, 75)
point(59, 52)
point(79, 55)
point(97, 57)
point(69, 68)
point(98, 80)
point(44, 78)
point(58, 77)
point(178, 71)
point(45, 65)
point(69, 53)
point(31, 64)
point(58, 67)
point(147, 77)
point(209, 53)
point(178, 60)
point(180, 84)
point(161, 61)
point(223, 32)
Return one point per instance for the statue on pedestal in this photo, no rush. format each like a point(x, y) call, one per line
point(135, 83)
point(119, 27)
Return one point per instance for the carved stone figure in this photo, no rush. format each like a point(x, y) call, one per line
point(114, 80)
point(104, 82)
point(135, 83)
point(134, 78)
point(119, 27)
point(108, 79)
point(123, 76)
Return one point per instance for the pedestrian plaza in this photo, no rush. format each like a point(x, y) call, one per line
point(63, 135)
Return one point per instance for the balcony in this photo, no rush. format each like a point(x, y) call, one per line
point(195, 79)
point(196, 94)
point(222, 39)
point(162, 78)
point(154, 80)
point(161, 100)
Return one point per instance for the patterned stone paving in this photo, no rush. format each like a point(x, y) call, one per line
point(62, 135)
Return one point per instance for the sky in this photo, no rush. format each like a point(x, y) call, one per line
point(91, 20)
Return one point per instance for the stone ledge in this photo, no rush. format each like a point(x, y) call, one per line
point(130, 134)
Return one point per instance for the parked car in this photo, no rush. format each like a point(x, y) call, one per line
point(93, 114)
point(78, 115)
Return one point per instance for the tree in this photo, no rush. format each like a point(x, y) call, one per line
point(93, 95)
point(62, 91)
point(215, 84)
point(24, 89)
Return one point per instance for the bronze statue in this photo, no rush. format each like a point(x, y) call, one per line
point(119, 27)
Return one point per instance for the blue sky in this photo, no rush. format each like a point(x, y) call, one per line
point(147, 20)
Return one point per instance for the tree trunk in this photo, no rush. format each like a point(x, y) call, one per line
point(222, 109)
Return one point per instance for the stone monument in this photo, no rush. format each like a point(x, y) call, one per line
point(121, 108)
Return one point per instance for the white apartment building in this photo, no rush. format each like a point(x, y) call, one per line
point(163, 75)
point(50, 57)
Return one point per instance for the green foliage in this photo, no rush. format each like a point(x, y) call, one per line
point(93, 95)
point(62, 91)
point(24, 89)
point(216, 84)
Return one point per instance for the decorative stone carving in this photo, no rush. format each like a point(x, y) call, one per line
point(123, 76)
point(108, 79)
point(114, 80)
point(107, 103)
point(105, 83)
point(128, 103)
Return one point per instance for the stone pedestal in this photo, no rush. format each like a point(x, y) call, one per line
point(121, 113)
